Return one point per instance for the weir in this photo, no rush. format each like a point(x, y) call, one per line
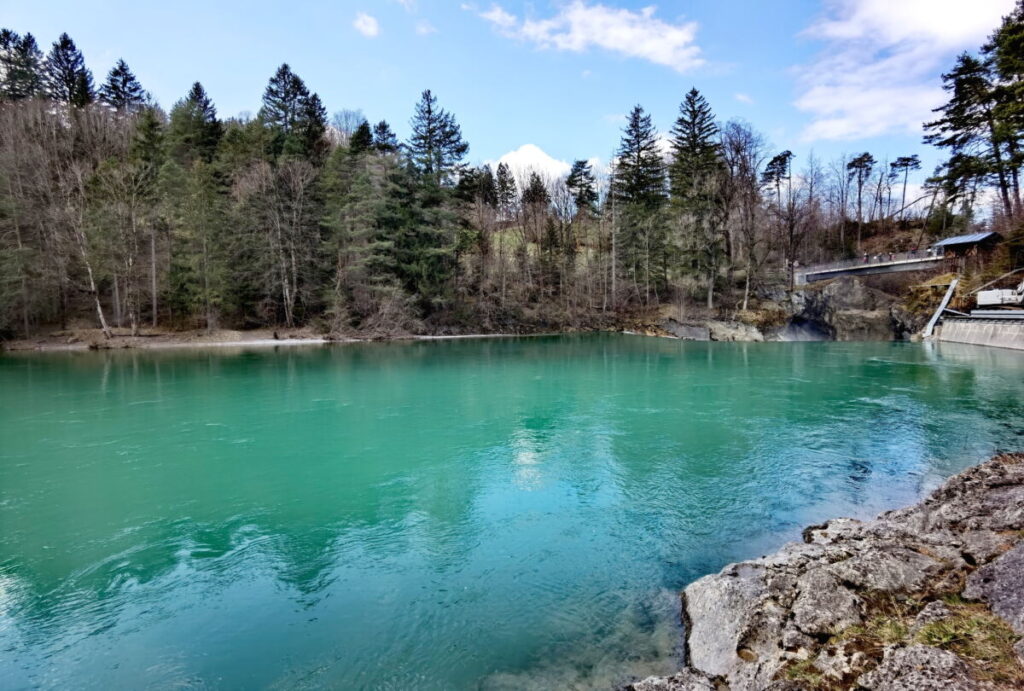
point(1000, 333)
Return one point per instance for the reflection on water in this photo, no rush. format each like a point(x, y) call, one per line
point(496, 514)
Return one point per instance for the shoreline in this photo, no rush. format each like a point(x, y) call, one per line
point(928, 596)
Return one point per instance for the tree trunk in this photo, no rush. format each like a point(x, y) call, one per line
point(152, 273)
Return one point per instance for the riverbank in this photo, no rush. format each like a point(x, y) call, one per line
point(926, 597)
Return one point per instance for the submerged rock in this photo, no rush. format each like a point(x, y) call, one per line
point(752, 625)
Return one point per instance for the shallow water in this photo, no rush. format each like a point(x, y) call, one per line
point(466, 514)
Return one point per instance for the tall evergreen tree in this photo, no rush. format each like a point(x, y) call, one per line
point(65, 77)
point(296, 117)
point(21, 62)
point(505, 191)
point(859, 170)
point(194, 130)
point(436, 147)
point(361, 140)
point(122, 90)
point(384, 139)
point(583, 186)
point(905, 164)
point(695, 177)
point(639, 171)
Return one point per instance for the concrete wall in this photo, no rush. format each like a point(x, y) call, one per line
point(994, 332)
point(809, 275)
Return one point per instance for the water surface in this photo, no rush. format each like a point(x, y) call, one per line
point(459, 515)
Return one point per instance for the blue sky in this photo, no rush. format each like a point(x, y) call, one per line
point(812, 75)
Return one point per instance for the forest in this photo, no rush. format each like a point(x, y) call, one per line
point(117, 214)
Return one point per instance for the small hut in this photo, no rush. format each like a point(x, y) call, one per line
point(961, 250)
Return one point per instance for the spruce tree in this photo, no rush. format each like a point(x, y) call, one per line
point(296, 117)
point(122, 91)
point(21, 63)
point(361, 140)
point(696, 175)
point(639, 171)
point(194, 130)
point(505, 190)
point(384, 139)
point(583, 186)
point(65, 77)
point(436, 147)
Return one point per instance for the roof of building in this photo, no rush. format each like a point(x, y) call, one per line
point(971, 239)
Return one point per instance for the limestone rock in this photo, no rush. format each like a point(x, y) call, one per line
point(919, 668)
point(686, 332)
point(839, 662)
point(734, 331)
point(1001, 585)
point(686, 680)
point(823, 605)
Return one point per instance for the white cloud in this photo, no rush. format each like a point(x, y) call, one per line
point(425, 28)
point(743, 98)
point(879, 70)
point(366, 25)
point(579, 26)
point(530, 158)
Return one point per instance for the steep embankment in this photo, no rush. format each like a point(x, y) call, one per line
point(844, 309)
point(926, 597)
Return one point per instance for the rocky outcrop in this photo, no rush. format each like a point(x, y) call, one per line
point(809, 615)
point(847, 310)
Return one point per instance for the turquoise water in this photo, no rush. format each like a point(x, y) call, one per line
point(462, 514)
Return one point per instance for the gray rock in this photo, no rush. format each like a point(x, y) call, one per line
point(1001, 585)
point(982, 545)
point(734, 331)
point(687, 680)
point(934, 611)
point(686, 332)
point(824, 606)
point(838, 662)
point(919, 668)
point(1019, 649)
point(887, 569)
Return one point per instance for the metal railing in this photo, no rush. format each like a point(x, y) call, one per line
point(883, 259)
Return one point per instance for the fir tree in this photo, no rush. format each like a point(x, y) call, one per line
point(505, 191)
point(65, 77)
point(436, 147)
point(122, 91)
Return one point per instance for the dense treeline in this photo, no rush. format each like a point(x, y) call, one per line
point(115, 211)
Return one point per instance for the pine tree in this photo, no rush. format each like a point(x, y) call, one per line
point(969, 121)
point(384, 140)
point(122, 91)
point(20, 66)
point(436, 147)
point(66, 79)
point(859, 170)
point(905, 164)
point(1004, 52)
point(194, 130)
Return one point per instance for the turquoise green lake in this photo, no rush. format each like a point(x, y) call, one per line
point(471, 514)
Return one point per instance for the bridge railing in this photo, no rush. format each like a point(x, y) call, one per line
point(871, 260)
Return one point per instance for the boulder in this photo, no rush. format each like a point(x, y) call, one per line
point(919, 668)
point(687, 332)
point(686, 680)
point(1001, 585)
point(934, 611)
point(734, 331)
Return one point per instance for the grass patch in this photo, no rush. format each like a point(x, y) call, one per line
point(980, 637)
point(806, 673)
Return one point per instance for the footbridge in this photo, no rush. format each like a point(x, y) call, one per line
point(890, 262)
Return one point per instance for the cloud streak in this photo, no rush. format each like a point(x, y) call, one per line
point(580, 26)
point(878, 73)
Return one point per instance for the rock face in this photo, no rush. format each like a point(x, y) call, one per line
point(847, 310)
point(687, 332)
point(754, 620)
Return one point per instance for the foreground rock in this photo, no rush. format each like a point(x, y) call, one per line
point(926, 597)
